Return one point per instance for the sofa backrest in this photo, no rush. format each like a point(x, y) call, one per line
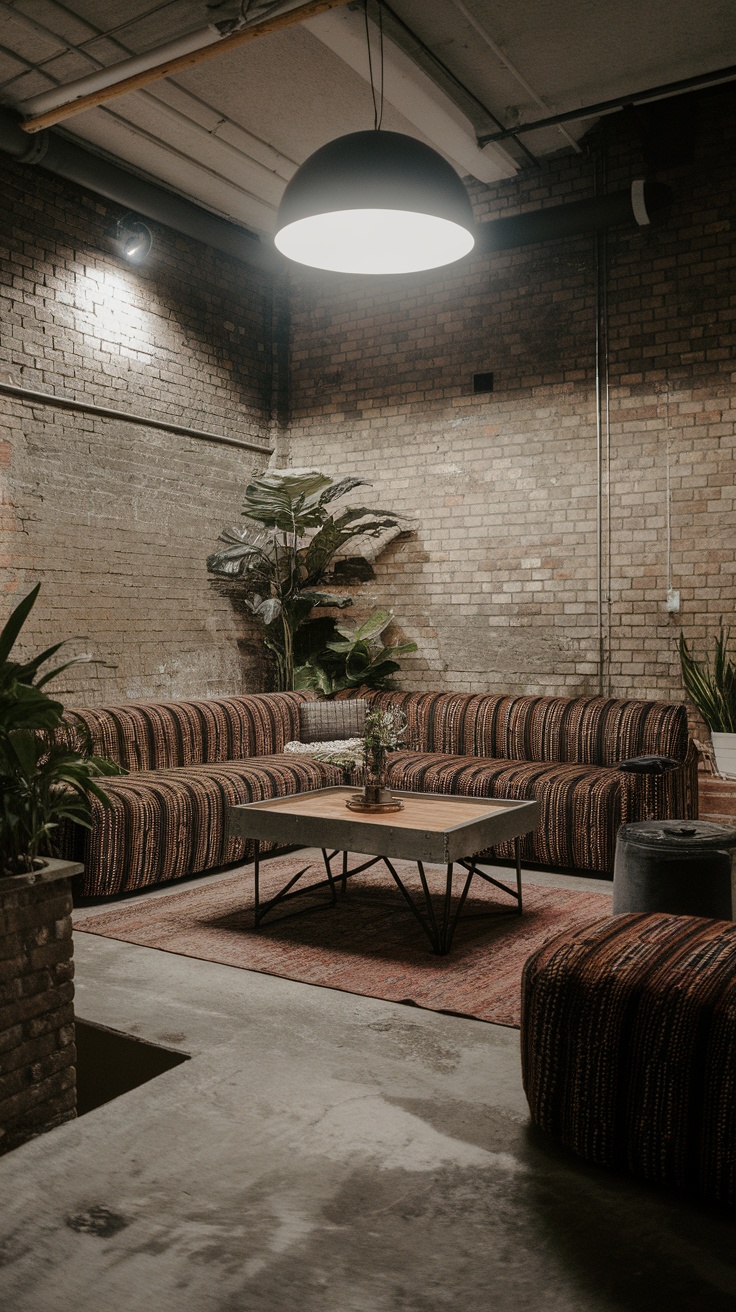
point(575, 730)
point(161, 735)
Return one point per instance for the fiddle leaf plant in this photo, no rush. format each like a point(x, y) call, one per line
point(283, 559)
point(47, 772)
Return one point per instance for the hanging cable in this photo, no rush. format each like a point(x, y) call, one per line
point(377, 97)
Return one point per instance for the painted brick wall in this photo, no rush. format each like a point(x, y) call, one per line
point(499, 583)
point(116, 519)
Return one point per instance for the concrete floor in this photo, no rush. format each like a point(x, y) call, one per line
point(324, 1152)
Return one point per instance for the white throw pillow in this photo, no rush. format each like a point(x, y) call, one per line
point(343, 751)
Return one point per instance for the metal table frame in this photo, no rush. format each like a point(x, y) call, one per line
point(440, 931)
point(457, 844)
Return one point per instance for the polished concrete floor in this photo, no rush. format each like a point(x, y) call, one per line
point(323, 1152)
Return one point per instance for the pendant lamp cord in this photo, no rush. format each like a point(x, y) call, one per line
point(377, 96)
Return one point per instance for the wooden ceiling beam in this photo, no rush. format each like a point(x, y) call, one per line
point(178, 64)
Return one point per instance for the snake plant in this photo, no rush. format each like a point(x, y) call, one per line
point(712, 687)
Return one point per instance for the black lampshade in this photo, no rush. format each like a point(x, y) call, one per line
point(375, 202)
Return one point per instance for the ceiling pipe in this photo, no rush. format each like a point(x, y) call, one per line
point(661, 92)
point(638, 205)
point(124, 82)
point(505, 62)
point(73, 162)
point(65, 94)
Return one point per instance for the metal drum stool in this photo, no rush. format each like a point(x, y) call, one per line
point(684, 867)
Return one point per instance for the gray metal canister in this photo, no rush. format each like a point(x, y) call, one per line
point(684, 867)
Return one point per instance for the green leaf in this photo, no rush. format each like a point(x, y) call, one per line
point(374, 625)
point(15, 621)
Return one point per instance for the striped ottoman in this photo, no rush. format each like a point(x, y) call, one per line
point(628, 1039)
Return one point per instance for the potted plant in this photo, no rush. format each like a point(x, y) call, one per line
point(353, 658)
point(712, 689)
point(291, 547)
point(46, 777)
point(385, 730)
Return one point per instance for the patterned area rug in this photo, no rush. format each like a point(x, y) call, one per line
point(369, 943)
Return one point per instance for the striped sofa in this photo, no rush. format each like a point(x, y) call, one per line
point(563, 751)
point(189, 761)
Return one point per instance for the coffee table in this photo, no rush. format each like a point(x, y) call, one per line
point(431, 827)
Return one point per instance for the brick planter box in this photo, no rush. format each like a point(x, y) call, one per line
point(37, 1053)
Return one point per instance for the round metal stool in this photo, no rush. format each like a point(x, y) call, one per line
point(684, 867)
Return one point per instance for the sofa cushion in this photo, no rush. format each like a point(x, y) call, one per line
point(162, 825)
point(165, 735)
point(573, 730)
point(332, 721)
point(628, 1039)
point(581, 807)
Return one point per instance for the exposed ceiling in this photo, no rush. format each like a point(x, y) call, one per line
point(230, 132)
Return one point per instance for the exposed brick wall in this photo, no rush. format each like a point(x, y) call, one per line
point(116, 519)
point(37, 1053)
point(499, 584)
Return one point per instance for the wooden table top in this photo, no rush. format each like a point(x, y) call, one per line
point(431, 826)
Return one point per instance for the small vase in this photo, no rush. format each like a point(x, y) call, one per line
point(375, 795)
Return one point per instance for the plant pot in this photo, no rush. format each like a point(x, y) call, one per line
point(37, 1031)
point(724, 750)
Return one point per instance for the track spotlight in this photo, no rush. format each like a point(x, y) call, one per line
point(132, 239)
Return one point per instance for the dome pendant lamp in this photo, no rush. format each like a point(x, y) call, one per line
point(375, 202)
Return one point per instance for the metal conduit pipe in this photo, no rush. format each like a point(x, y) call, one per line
point(33, 397)
point(638, 204)
point(73, 162)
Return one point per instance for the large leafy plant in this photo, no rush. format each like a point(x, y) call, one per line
point(45, 778)
point(712, 687)
point(351, 657)
point(291, 549)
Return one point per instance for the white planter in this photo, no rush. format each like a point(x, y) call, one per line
point(724, 750)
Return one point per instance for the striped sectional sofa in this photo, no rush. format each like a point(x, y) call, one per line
point(189, 761)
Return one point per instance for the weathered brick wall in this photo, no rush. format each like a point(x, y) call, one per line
point(499, 585)
point(116, 519)
point(37, 1053)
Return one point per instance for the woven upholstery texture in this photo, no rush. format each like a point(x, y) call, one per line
point(571, 730)
point(184, 757)
point(166, 824)
point(332, 721)
point(581, 808)
point(628, 1034)
point(165, 735)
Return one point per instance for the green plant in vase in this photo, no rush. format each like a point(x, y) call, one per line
point(385, 731)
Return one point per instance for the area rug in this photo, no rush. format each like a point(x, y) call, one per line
point(369, 943)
